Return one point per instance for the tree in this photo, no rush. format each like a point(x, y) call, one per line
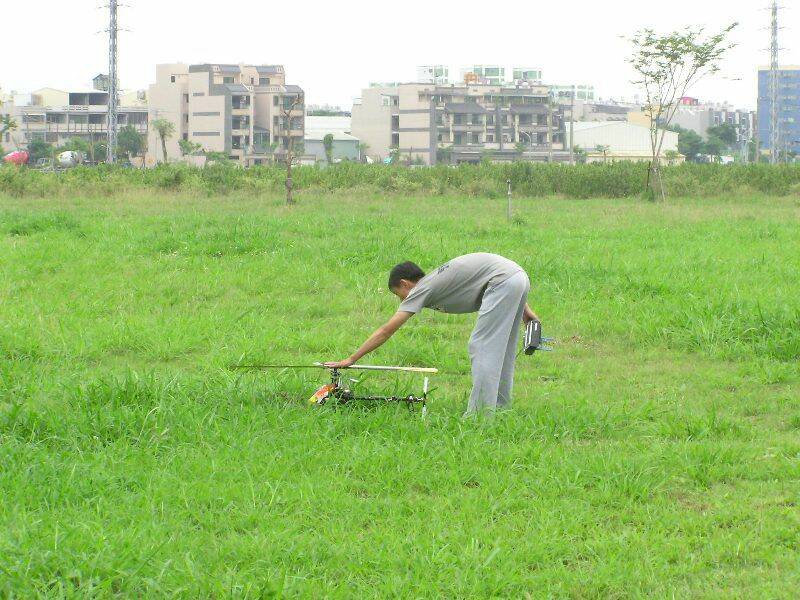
point(79, 145)
point(39, 149)
point(130, 143)
point(667, 66)
point(520, 148)
point(8, 125)
point(290, 155)
point(715, 147)
point(690, 144)
point(189, 148)
point(672, 156)
point(327, 143)
point(165, 130)
point(726, 133)
point(218, 158)
point(363, 148)
point(604, 150)
point(444, 154)
point(580, 155)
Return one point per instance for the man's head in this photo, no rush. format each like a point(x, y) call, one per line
point(403, 278)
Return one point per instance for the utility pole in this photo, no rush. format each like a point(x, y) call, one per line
point(509, 212)
point(113, 81)
point(572, 128)
point(774, 92)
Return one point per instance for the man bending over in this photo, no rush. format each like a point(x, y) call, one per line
point(494, 287)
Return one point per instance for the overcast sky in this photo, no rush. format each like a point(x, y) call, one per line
point(333, 49)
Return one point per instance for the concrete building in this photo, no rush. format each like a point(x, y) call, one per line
point(484, 74)
point(529, 74)
point(599, 110)
point(345, 146)
point(466, 122)
point(57, 116)
point(436, 74)
point(615, 141)
point(788, 109)
point(583, 92)
point(699, 117)
point(234, 109)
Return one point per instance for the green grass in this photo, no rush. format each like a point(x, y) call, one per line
point(656, 453)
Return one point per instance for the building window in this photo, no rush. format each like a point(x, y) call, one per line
point(185, 118)
point(172, 79)
point(186, 97)
point(185, 137)
point(490, 138)
point(227, 80)
point(263, 81)
point(275, 101)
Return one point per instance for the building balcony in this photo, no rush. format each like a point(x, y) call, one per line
point(469, 127)
point(535, 128)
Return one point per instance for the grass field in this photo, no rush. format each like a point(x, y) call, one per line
point(656, 453)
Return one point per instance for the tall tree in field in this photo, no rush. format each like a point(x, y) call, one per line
point(290, 156)
point(189, 148)
point(130, 142)
point(8, 125)
point(327, 143)
point(165, 130)
point(667, 66)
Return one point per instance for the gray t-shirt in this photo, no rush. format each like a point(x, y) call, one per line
point(457, 287)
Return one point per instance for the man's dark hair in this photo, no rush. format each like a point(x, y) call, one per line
point(407, 270)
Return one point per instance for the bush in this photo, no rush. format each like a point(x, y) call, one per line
point(610, 180)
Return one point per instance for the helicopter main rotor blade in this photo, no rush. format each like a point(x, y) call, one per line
point(401, 369)
point(353, 367)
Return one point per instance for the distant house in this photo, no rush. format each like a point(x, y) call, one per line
point(345, 145)
point(101, 82)
point(615, 141)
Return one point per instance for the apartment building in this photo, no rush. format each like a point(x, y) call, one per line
point(244, 111)
point(464, 122)
point(788, 110)
point(57, 116)
point(438, 74)
point(484, 74)
point(578, 91)
point(699, 117)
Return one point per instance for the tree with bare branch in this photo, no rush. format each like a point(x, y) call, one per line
point(291, 155)
point(667, 66)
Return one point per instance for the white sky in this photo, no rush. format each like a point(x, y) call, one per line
point(333, 49)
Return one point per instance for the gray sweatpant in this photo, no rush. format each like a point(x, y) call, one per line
point(493, 344)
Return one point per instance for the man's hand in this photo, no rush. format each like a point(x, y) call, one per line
point(529, 315)
point(342, 364)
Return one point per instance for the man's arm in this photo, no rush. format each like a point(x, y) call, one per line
point(377, 339)
point(529, 315)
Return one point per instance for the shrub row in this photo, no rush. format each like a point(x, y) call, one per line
point(613, 180)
